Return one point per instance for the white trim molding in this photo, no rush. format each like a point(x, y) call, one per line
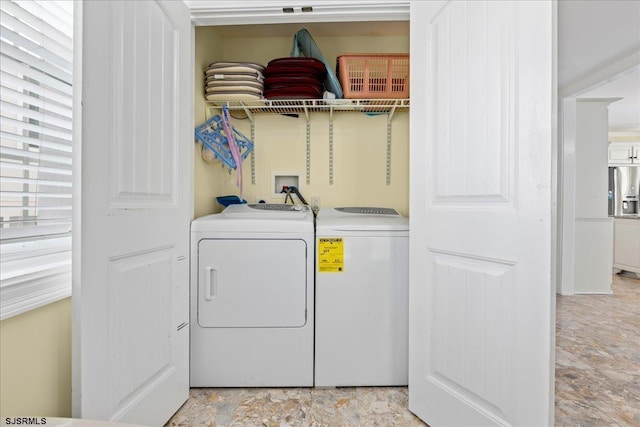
point(604, 74)
point(24, 295)
point(210, 12)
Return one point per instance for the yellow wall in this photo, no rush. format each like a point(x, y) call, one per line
point(280, 141)
point(208, 45)
point(35, 362)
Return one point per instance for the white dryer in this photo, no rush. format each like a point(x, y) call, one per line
point(362, 297)
point(252, 298)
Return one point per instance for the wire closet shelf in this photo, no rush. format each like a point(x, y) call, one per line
point(265, 106)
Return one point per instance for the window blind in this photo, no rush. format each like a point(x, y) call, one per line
point(36, 63)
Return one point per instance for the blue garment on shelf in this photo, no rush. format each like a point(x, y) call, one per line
point(304, 44)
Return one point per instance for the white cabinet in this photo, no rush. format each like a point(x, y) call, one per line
point(626, 254)
point(624, 153)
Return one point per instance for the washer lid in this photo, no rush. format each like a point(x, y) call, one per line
point(361, 219)
point(261, 218)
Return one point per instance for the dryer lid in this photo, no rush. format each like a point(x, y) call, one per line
point(266, 218)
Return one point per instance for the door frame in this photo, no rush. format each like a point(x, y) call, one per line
point(265, 12)
point(566, 167)
point(351, 11)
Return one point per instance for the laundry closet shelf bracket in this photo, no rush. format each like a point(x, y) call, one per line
point(253, 152)
point(308, 147)
point(331, 146)
point(388, 160)
point(308, 106)
point(253, 138)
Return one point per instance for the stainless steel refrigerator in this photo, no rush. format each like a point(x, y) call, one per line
point(624, 183)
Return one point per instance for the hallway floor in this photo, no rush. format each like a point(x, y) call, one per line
point(598, 357)
point(597, 379)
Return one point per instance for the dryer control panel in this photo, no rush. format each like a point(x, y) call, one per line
point(279, 207)
point(370, 211)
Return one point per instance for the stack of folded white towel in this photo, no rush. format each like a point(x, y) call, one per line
point(234, 81)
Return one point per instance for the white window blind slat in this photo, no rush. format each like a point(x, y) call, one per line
point(51, 106)
point(58, 21)
point(40, 195)
point(9, 179)
point(39, 51)
point(49, 210)
point(45, 80)
point(57, 29)
point(36, 136)
point(42, 127)
point(48, 222)
point(30, 168)
point(40, 115)
point(34, 156)
point(57, 9)
point(36, 36)
point(14, 52)
point(11, 82)
point(64, 147)
point(40, 228)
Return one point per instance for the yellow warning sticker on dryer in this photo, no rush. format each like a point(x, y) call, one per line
point(330, 255)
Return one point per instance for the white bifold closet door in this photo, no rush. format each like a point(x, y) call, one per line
point(133, 205)
point(481, 301)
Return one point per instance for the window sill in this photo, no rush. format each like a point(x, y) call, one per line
point(33, 274)
point(24, 295)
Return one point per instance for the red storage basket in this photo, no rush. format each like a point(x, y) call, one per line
point(374, 76)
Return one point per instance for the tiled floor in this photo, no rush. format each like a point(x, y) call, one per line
point(598, 357)
point(597, 379)
point(280, 407)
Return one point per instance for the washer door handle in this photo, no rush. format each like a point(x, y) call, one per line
point(211, 283)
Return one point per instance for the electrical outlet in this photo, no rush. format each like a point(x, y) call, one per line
point(315, 203)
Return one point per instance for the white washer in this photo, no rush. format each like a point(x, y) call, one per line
point(252, 297)
point(362, 297)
